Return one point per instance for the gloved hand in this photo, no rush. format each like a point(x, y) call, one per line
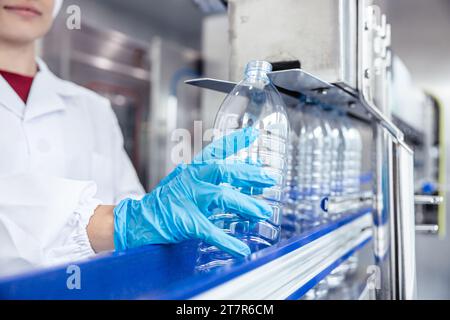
point(178, 209)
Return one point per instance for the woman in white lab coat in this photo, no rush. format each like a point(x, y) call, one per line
point(51, 128)
point(63, 167)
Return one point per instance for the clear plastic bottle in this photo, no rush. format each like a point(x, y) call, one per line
point(357, 159)
point(303, 188)
point(349, 173)
point(328, 154)
point(337, 152)
point(292, 194)
point(353, 157)
point(333, 118)
point(352, 176)
point(313, 165)
point(254, 102)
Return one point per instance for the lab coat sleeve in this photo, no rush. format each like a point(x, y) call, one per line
point(43, 221)
point(126, 182)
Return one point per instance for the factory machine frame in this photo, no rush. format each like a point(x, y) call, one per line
point(358, 83)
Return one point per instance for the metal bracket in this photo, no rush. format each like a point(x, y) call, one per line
point(303, 83)
point(426, 199)
point(427, 228)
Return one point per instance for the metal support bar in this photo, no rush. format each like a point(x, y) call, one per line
point(427, 228)
point(383, 120)
point(404, 222)
point(427, 199)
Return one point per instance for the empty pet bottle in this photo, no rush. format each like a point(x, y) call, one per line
point(254, 102)
point(313, 165)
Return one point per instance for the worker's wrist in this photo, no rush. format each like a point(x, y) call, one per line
point(100, 229)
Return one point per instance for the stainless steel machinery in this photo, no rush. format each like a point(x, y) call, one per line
point(343, 48)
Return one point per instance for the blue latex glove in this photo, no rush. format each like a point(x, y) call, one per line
point(178, 209)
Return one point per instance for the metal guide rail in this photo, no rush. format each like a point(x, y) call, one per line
point(295, 83)
point(285, 271)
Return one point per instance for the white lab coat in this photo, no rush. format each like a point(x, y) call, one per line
point(43, 221)
point(67, 131)
point(55, 152)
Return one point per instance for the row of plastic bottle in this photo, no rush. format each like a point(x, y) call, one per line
point(323, 178)
point(317, 163)
point(324, 168)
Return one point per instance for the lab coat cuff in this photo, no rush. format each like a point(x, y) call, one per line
point(83, 214)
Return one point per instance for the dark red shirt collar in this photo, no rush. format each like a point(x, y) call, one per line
point(20, 83)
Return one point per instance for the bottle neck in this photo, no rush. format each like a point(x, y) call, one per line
point(256, 75)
